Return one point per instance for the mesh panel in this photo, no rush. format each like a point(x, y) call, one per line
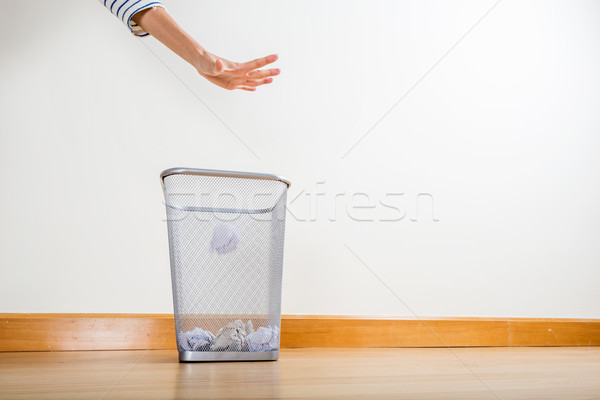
point(212, 289)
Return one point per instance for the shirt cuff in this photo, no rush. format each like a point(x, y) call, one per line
point(142, 5)
point(125, 9)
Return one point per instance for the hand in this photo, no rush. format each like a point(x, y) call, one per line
point(231, 75)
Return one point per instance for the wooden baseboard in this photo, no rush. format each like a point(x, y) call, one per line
point(52, 332)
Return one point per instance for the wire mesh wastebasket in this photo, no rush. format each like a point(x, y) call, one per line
point(226, 234)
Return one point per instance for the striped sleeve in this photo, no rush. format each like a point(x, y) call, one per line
point(125, 9)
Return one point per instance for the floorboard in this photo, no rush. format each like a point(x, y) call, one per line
point(357, 373)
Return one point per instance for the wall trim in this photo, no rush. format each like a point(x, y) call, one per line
point(54, 332)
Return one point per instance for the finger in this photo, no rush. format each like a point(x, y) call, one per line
point(260, 62)
point(248, 88)
point(258, 82)
point(263, 73)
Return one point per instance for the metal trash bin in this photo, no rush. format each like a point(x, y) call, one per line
point(226, 234)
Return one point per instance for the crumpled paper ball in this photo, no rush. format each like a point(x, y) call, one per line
point(196, 340)
point(264, 339)
point(225, 239)
point(232, 337)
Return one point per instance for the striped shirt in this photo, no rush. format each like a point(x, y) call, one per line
point(125, 9)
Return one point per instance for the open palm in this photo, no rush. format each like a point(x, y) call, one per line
point(232, 75)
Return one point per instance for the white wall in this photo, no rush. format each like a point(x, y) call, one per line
point(503, 133)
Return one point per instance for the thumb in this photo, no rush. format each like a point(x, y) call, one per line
point(219, 66)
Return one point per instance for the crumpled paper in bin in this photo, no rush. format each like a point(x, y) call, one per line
point(264, 339)
point(232, 337)
point(225, 239)
point(196, 340)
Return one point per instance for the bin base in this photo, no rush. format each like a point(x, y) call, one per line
point(200, 356)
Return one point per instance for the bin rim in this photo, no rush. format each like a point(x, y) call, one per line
point(221, 173)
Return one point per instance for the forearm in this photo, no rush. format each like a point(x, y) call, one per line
point(158, 23)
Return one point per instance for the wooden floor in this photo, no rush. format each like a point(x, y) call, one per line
point(393, 373)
